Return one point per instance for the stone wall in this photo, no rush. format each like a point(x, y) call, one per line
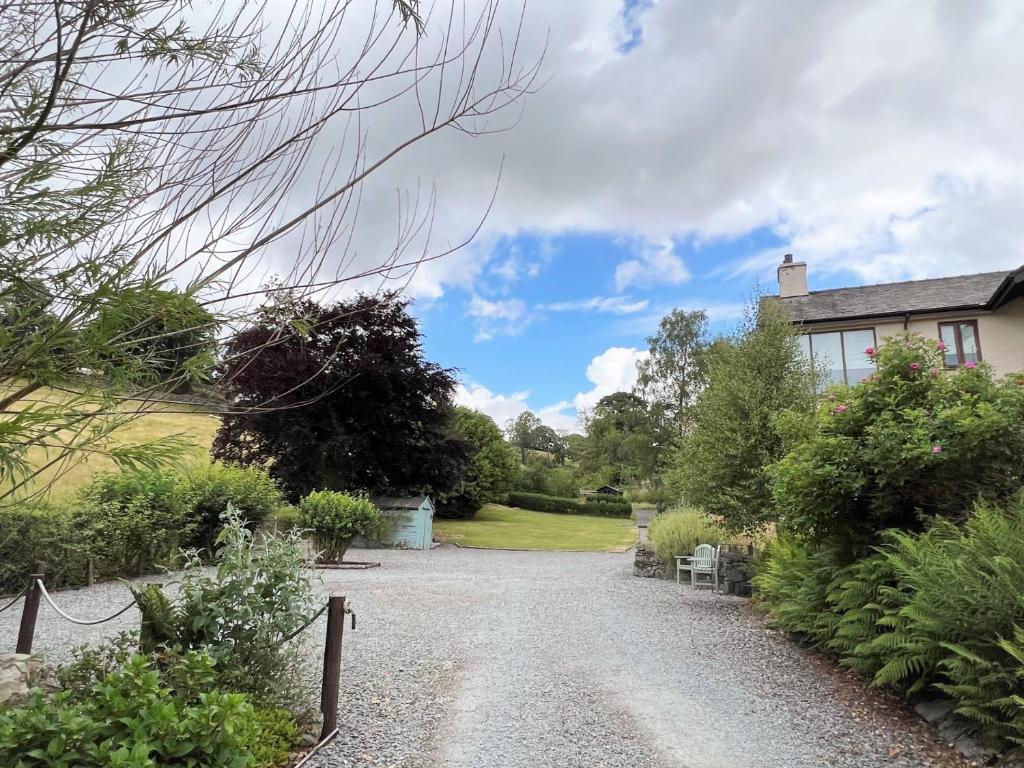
point(646, 564)
point(17, 673)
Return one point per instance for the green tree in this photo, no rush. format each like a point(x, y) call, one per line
point(491, 469)
point(753, 375)
point(623, 442)
point(522, 432)
point(671, 377)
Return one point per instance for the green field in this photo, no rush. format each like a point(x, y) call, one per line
point(193, 426)
point(498, 527)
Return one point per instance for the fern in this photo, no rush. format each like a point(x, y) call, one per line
point(941, 610)
point(159, 619)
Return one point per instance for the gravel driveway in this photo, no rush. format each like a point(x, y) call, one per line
point(478, 659)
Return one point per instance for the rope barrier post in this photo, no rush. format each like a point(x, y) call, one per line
point(27, 630)
point(331, 684)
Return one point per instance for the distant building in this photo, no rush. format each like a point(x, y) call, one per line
point(979, 317)
point(609, 490)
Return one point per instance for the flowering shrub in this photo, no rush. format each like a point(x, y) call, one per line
point(904, 445)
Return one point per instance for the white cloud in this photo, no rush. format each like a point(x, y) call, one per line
point(619, 305)
point(882, 137)
point(506, 317)
point(656, 264)
point(614, 370)
point(501, 408)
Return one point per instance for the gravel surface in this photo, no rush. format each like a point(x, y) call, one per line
point(477, 659)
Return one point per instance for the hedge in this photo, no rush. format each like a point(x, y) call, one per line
point(541, 503)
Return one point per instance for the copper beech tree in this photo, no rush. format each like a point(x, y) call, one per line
point(355, 405)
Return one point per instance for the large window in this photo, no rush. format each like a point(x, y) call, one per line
point(961, 340)
point(841, 355)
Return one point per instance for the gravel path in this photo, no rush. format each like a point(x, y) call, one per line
point(479, 659)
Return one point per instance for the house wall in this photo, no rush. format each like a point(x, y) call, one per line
point(1000, 333)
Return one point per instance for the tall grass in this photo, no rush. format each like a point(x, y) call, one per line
point(679, 531)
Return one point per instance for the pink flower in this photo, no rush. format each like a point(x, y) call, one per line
point(970, 365)
point(915, 366)
point(869, 351)
point(936, 448)
point(941, 346)
point(840, 409)
point(935, 373)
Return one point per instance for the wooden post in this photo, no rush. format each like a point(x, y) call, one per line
point(331, 684)
point(27, 630)
point(90, 572)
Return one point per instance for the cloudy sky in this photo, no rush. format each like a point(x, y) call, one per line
point(678, 149)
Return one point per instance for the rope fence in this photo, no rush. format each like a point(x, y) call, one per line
point(17, 597)
point(72, 619)
point(335, 608)
point(305, 626)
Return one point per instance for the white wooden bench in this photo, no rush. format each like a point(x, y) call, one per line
point(704, 560)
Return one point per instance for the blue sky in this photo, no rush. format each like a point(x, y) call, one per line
point(547, 306)
point(675, 152)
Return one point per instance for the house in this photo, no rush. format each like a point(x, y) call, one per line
point(609, 490)
point(411, 521)
point(979, 317)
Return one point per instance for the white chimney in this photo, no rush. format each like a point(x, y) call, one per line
point(792, 277)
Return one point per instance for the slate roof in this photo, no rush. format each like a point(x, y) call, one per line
point(398, 502)
point(942, 294)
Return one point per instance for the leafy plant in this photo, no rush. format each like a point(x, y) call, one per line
point(491, 468)
point(936, 610)
point(242, 613)
point(132, 521)
point(375, 413)
point(211, 488)
point(335, 519)
point(679, 531)
point(133, 718)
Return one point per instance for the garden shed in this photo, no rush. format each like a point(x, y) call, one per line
point(411, 518)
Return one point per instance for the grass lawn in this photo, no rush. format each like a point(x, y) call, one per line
point(501, 527)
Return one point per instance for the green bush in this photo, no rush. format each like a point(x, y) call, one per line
point(133, 717)
point(34, 533)
point(211, 488)
point(679, 531)
point(241, 613)
point(934, 611)
point(908, 443)
point(133, 521)
point(541, 503)
point(335, 519)
point(607, 506)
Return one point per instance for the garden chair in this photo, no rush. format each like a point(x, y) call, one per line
point(704, 560)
